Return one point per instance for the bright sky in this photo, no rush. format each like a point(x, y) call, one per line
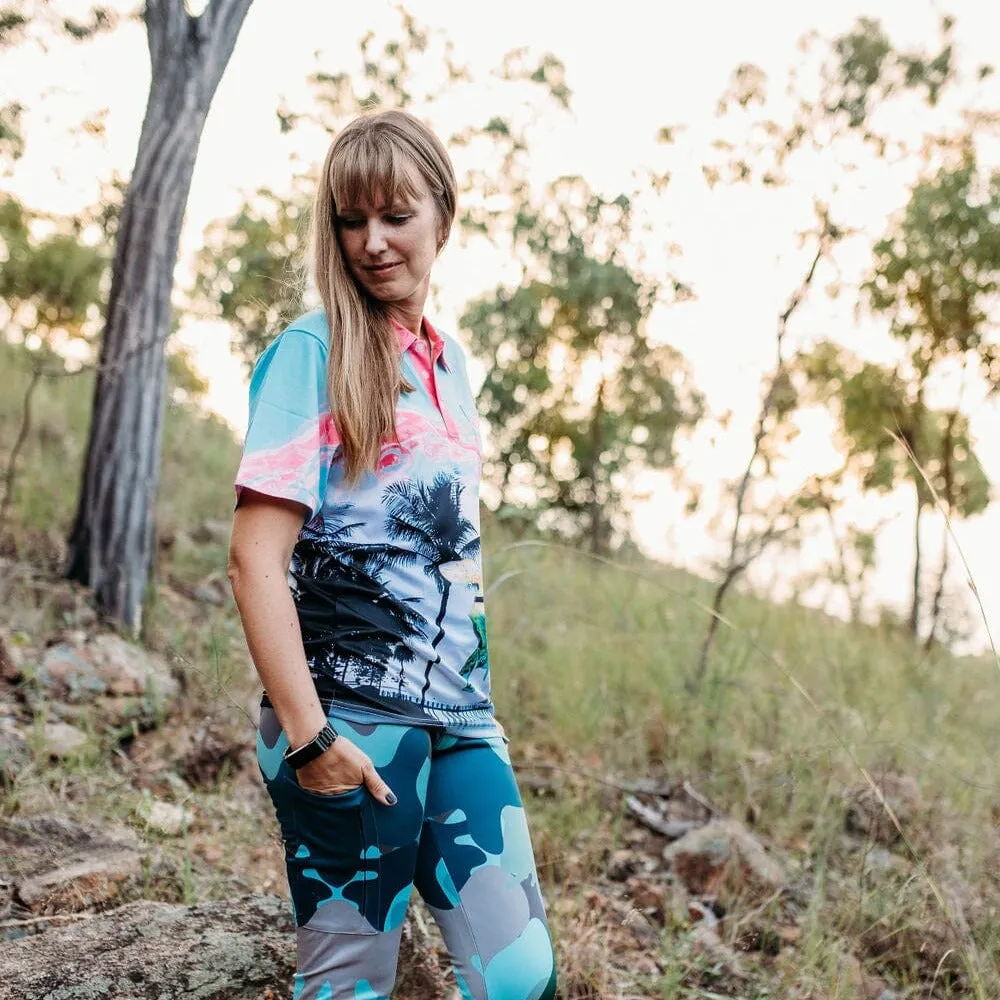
point(632, 68)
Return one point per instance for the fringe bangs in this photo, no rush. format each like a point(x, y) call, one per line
point(371, 165)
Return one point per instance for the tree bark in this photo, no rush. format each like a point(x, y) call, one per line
point(915, 603)
point(112, 541)
point(947, 452)
point(596, 444)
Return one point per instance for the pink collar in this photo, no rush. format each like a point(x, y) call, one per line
point(407, 338)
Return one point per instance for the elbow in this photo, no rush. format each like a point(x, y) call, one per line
point(235, 570)
point(243, 566)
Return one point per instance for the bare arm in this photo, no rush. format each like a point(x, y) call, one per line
point(265, 530)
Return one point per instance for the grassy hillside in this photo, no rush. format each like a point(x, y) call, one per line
point(591, 663)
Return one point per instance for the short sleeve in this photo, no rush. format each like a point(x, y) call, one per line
point(290, 436)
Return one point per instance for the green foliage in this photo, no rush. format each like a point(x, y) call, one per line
point(12, 25)
point(937, 270)
point(56, 281)
point(862, 55)
point(34, 19)
point(182, 375)
point(42, 503)
point(868, 69)
point(578, 314)
point(101, 19)
point(878, 411)
point(11, 139)
point(247, 271)
point(862, 72)
point(548, 71)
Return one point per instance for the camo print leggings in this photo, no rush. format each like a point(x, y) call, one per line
point(457, 833)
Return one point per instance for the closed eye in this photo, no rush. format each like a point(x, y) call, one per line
point(357, 223)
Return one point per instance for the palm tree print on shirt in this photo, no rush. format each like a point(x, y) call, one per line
point(428, 521)
point(349, 618)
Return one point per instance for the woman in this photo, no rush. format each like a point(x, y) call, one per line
point(355, 563)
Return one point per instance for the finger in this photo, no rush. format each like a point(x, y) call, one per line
point(379, 789)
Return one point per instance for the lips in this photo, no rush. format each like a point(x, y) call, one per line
point(383, 269)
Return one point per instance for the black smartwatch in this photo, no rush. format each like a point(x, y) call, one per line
point(321, 742)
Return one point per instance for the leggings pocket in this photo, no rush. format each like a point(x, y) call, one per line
point(333, 859)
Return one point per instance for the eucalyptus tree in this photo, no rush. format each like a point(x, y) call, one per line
point(935, 277)
point(933, 274)
point(111, 545)
point(577, 394)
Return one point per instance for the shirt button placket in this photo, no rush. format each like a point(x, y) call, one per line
point(442, 402)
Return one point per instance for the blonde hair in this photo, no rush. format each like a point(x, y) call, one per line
point(372, 156)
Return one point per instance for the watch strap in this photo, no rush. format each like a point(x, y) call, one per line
point(321, 742)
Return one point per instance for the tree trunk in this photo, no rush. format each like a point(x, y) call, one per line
point(947, 453)
point(112, 541)
point(596, 443)
point(915, 604)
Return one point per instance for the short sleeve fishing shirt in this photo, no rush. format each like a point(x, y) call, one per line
point(386, 575)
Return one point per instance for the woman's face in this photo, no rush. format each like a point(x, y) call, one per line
point(390, 247)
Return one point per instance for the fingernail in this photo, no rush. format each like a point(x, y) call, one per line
point(390, 798)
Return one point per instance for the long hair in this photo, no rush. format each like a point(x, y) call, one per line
point(372, 157)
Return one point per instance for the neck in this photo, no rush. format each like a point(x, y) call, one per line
point(412, 319)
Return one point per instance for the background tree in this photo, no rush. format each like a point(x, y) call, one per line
point(577, 396)
point(935, 277)
point(758, 526)
point(111, 544)
point(51, 288)
point(934, 272)
point(249, 271)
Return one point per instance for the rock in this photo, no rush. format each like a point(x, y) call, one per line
point(167, 818)
point(93, 881)
point(866, 816)
point(11, 654)
point(62, 739)
point(14, 754)
point(209, 752)
point(123, 682)
point(232, 950)
point(645, 931)
point(723, 855)
point(214, 589)
point(213, 532)
point(53, 865)
point(706, 942)
point(622, 864)
point(129, 669)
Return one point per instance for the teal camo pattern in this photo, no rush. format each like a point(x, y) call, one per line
point(457, 833)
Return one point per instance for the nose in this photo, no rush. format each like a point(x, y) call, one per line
point(375, 239)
